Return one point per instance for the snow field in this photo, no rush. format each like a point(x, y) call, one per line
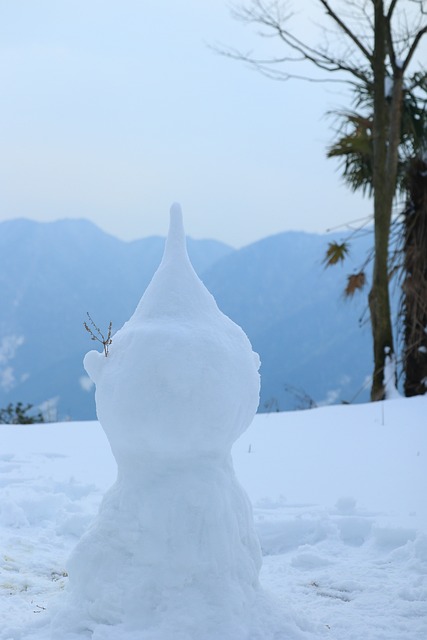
point(339, 507)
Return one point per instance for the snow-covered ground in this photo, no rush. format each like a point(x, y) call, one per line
point(340, 506)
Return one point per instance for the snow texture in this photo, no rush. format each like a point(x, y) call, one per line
point(173, 546)
point(339, 507)
point(390, 376)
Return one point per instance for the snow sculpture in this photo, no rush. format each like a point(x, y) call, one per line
point(173, 548)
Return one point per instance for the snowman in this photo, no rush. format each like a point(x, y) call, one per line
point(172, 552)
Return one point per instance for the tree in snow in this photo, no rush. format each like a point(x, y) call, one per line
point(407, 258)
point(374, 47)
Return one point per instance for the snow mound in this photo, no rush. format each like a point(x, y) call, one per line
point(173, 552)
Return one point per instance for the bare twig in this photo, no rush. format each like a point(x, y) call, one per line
point(96, 334)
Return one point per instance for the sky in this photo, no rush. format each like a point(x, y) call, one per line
point(112, 111)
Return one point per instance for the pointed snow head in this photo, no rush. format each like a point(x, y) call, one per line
point(180, 378)
point(175, 290)
point(176, 246)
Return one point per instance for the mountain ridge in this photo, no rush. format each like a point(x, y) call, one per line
point(275, 288)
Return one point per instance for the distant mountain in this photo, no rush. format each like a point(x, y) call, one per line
point(291, 308)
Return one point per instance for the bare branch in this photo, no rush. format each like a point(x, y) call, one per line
point(391, 9)
point(96, 333)
point(422, 7)
point(266, 67)
point(413, 47)
point(390, 44)
point(346, 30)
point(273, 18)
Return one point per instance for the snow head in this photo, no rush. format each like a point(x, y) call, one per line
point(180, 377)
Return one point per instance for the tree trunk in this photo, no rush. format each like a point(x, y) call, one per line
point(379, 300)
point(415, 282)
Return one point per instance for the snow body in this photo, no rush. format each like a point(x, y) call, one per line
point(173, 546)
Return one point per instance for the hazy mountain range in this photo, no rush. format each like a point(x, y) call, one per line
point(293, 310)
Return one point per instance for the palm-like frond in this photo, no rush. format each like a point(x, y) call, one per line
point(355, 282)
point(354, 143)
point(355, 149)
point(335, 253)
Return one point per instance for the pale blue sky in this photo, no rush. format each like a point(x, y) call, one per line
point(112, 110)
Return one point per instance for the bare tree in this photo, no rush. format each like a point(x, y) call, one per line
point(408, 251)
point(375, 42)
